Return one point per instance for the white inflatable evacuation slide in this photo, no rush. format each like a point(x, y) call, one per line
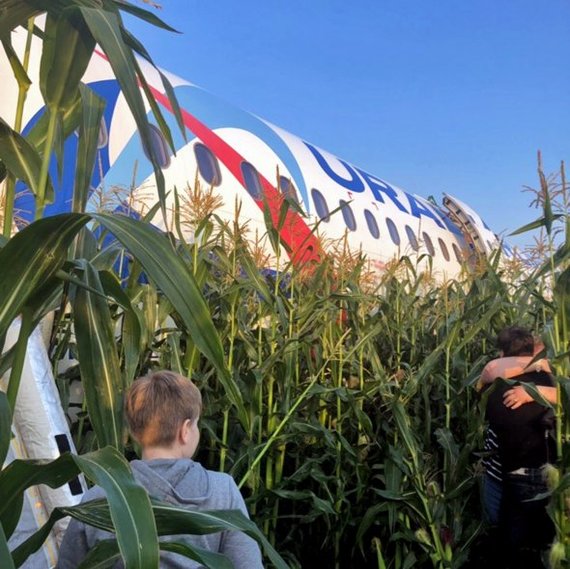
point(40, 431)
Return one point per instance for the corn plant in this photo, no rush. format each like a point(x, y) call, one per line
point(553, 276)
point(361, 430)
point(362, 422)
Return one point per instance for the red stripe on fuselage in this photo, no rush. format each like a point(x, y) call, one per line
point(294, 232)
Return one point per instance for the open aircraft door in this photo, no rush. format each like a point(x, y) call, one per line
point(480, 240)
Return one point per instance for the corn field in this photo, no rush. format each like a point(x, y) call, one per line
point(349, 417)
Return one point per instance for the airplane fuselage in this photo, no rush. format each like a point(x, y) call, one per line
point(245, 158)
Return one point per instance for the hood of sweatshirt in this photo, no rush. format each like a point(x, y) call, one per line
point(175, 481)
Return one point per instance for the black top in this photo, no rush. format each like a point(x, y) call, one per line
point(521, 432)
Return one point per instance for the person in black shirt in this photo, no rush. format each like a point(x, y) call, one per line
point(523, 447)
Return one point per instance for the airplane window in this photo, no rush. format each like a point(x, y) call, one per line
point(372, 225)
point(288, 189)
point(393, 230)
point(320, 205)
point(428, 244)
point(412, 238)
point(207, 164)
point(347, 215)
point(159, 147)
point(457, 252)
point(443, 248)
point(251, 180)
point(103, 138)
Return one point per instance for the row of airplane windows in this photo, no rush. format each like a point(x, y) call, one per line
point(372, 224)
point(210, 171)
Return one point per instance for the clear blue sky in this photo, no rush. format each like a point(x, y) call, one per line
point(446, 95)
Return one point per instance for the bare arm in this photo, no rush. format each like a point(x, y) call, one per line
point(509, 367)
point(518, 396)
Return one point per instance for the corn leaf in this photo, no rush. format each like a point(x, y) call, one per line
point(536, 224)
point(5, 426)
point(145, 15)
point(35, 541)
point(131, 326)
point(106, 27)
point(18, 70)
point(172, 520)
point(132, 334)
point(70, 121)
point(92, 107)
point(34, 255)
point(129, 506)
point(547, 204)
point(20, 158)
point(67, 50)
point(162, 124)
point(447, 441)
point(202, 556)
point(554, 261)
point(129, 514)
point(6, 560)
point(26, 328)
point(169, 273)
point(404, 428)
point(106, 553)
point(139, 48)
point(14, 13)
point(20, 475)
point(98, 360)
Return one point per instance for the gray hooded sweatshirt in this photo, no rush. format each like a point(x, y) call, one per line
point(184, 483)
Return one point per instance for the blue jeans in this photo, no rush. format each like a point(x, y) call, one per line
point(524, 523)
point(491, 496)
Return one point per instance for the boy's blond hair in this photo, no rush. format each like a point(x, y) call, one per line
point(157, 405)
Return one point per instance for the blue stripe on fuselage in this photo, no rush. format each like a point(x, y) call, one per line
point(64, 187)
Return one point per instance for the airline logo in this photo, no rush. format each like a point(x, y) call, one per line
point(359, 181)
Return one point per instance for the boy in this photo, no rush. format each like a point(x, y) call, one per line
point(162, 411)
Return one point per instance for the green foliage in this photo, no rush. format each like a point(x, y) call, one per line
point(364, 428)
point(5, 426)
point(21, 158)
point(101, 375)
point(130, 505)
point(34, 256)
